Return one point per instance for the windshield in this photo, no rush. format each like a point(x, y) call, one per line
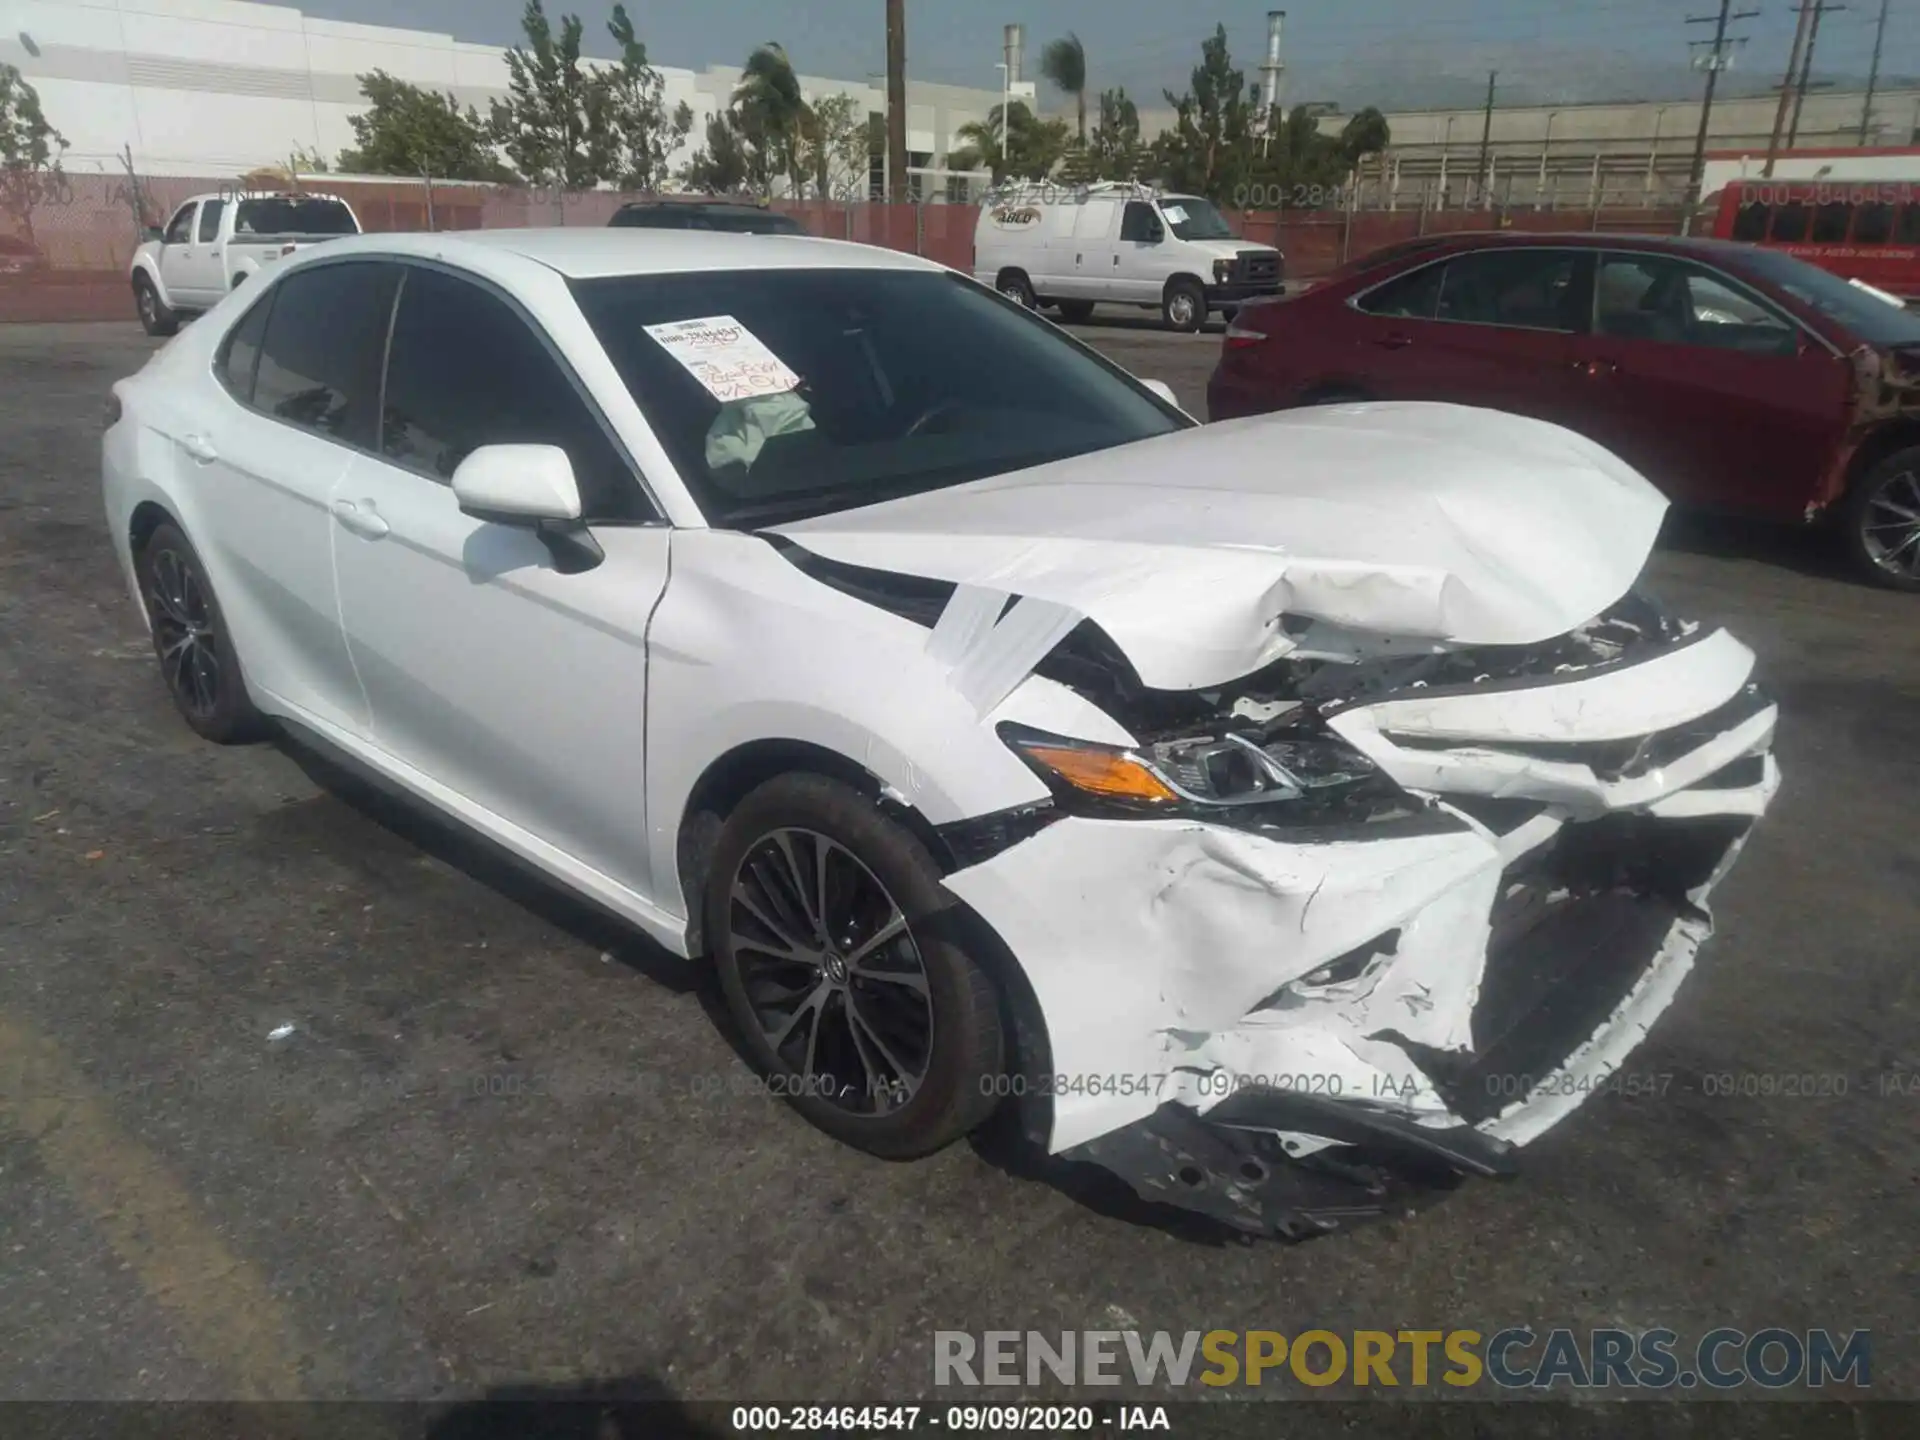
point(293, 215)
point(784, 394)
point(1192, 218)
point(1863, 314)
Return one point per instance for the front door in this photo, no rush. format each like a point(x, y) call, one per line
point(201, 268)
point(1139, 267)
point(176, 258)
point(516, 690)
point(1715, 395)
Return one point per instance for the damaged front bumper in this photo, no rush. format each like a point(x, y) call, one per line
point(1271, 1027)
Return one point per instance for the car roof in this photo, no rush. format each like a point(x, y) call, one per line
point(1432, 246)
point(581, 253)
point(700, 202)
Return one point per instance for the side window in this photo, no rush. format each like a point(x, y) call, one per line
point(210, 219)
point(1790, 222)
point(1652, 297)
point(180, 228)
point(1414, 296)
point(1830, 222)
point(1526, 288)
point(1750, 221)
point(1138, 222)
point(1907, 231)
point(1872, 223)
point(239, 355)
point(465, 370)
point(319, 365)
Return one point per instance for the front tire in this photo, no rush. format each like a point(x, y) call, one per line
point(155, 316)
point(191, 641)
point(1184, 306)
point(824, 922)
point(1880, 522)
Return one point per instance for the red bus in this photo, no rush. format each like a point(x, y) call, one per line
point(1865, 230)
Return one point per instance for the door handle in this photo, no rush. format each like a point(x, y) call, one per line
point(1394, 342)
point(200, 448)
point(362, 519)
point(1596, 369)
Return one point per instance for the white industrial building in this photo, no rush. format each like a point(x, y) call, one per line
point(219, 87)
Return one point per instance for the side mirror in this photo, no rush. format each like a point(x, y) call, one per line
point(531, 487)
point(1156, 233)
point(1163, 390)
point(154, 232)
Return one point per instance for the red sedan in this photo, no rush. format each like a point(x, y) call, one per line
point(1732, 377)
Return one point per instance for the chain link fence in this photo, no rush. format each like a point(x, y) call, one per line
point(67, 258)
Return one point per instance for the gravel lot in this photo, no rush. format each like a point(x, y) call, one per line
point(505, 1143)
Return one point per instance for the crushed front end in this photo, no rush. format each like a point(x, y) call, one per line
point(1366, 912)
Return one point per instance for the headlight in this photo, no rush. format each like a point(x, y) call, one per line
point(1193, 772)
point(1222, 271)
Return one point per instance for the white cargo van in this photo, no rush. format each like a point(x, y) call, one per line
point(1118, 244)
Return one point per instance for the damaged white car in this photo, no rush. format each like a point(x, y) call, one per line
point(1271, 805)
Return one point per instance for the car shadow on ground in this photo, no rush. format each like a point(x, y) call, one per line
point(639, 1407)
point(493, 867)
point(1812, 550)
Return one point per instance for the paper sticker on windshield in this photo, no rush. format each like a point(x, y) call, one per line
point(725, 356)
point(1176, 214)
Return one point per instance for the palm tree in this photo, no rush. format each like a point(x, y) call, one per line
point(1064, 62)
point(772, 112)
point(1031, 150)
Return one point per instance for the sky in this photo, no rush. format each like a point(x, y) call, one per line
point(1396, 54)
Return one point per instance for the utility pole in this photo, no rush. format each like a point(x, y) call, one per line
point(1786, 85)
point(1486, 137)
point(1873, 73)
point(1806, 69)
point(1717, 57)
point(897, 101)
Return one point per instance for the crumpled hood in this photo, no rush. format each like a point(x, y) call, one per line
point(1424, 522)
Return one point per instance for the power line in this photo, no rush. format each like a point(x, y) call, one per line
point(1713, 60)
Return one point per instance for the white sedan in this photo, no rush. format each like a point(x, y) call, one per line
point(1269, 808)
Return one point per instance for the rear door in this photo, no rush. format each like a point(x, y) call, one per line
point(1094, 227)
point(1492, 327)
point(300, 373)
point(1700, 382)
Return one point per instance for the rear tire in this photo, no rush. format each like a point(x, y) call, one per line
point(1076, 312)
point(1184, 306)
point(155, 317)
point(1880, 522)
point(190, 639)
point(846, 991)
point(1015, 285)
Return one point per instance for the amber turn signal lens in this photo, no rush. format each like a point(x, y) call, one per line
point(1106, 773)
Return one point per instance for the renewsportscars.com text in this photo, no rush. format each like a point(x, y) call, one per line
point(1513, 1358)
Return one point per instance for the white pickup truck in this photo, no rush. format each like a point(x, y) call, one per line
point(214, 242)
